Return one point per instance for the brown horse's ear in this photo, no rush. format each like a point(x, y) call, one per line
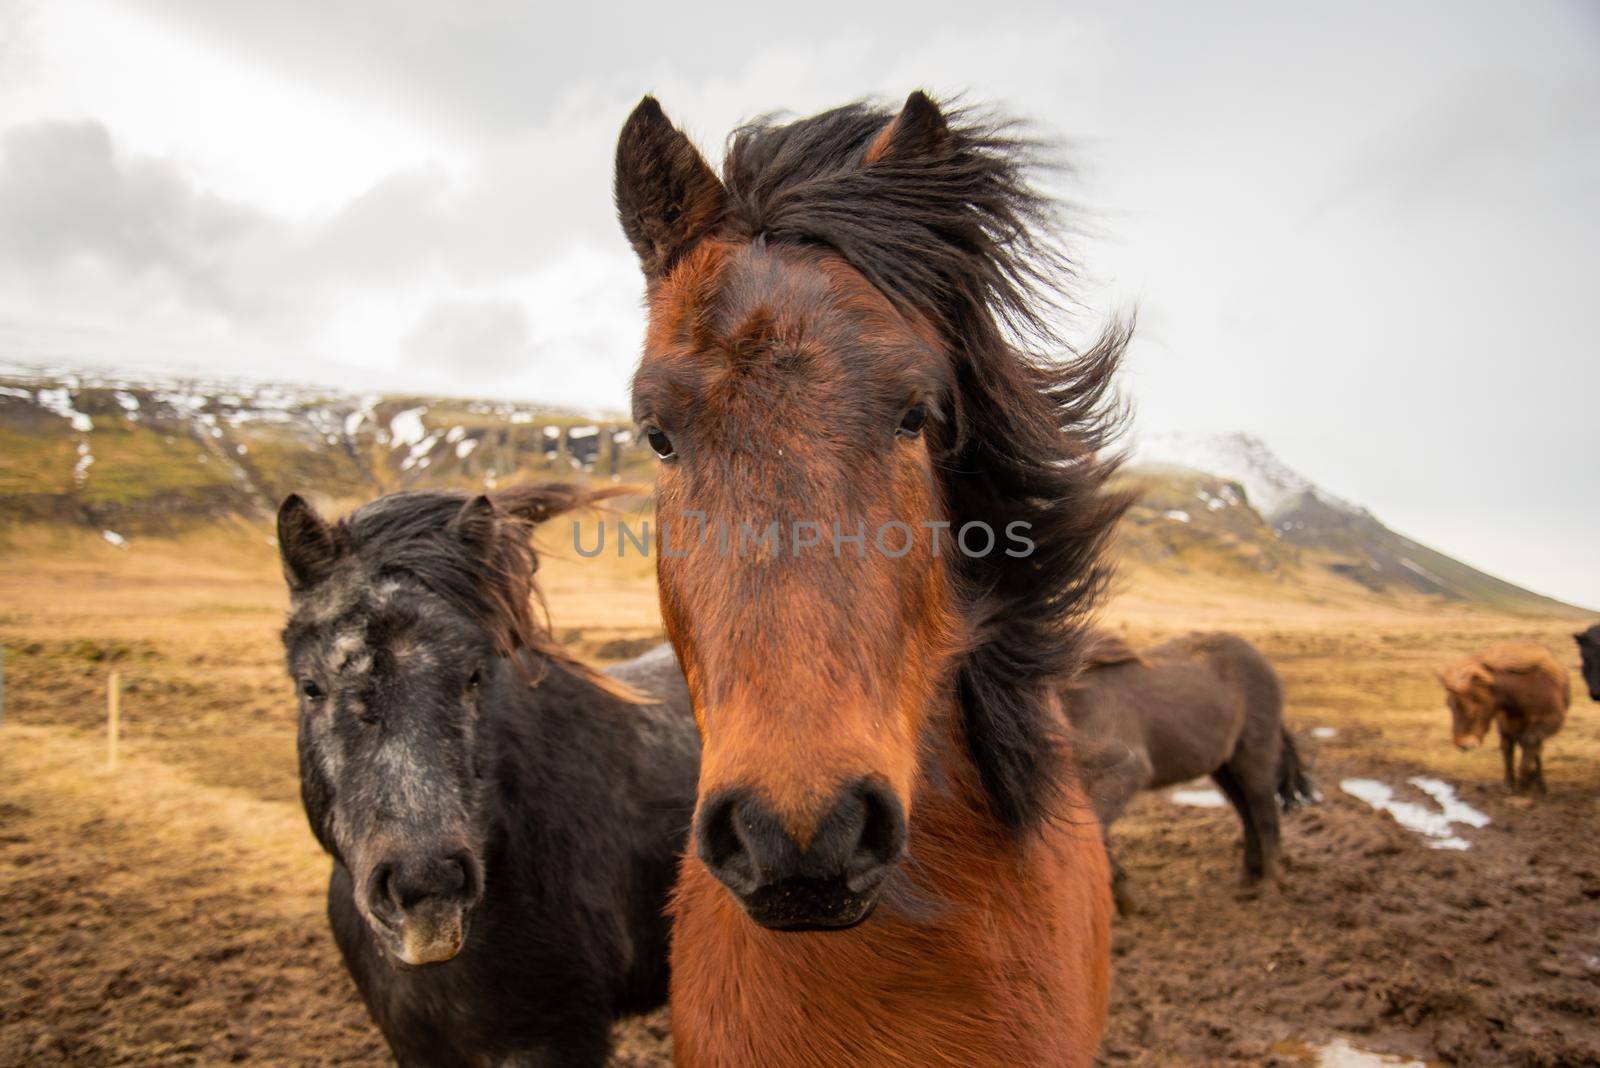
point(668, 197)
point(474, 524)
point(919, 132)
point(305, 543)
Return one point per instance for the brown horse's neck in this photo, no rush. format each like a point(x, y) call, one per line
point(995, 951)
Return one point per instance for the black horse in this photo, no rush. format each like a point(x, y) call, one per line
point(505, 823)
point(1589, 650)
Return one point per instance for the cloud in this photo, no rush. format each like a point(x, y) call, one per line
point(490, 336)
point(81, 223)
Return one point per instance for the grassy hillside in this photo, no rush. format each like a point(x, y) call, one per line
point(136, 459)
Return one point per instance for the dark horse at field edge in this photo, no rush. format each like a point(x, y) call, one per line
point(505, 823)
point(1202, 704)
point(894, 860)
point(1589, 653)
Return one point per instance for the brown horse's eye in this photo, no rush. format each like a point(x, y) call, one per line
point(913, 421)
point(660, 442)
point(312, 691)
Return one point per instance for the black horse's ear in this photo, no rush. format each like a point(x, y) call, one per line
point(474, 524)
point(305, 543)
point(919, 132)
point(668, 197)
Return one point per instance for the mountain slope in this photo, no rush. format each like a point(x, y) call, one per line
point(155, 455)
point(151, 456)
point(1331, 533)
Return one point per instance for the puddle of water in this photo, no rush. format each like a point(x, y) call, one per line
point(1341, 1054)
point(1437, 826)
point(1324, 732)
point(1197, 798)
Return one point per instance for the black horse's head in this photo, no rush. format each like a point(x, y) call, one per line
point(1589, 650)
point(404, 617)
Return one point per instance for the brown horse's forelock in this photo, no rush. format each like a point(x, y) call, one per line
point(964, 238)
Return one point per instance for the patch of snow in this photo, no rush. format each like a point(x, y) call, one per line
point(8, 391)
point(623, 437)
point(1455, 810)
point(582, 432)
point(114, 538)
point(418, 456)
point(1324, 732)
point(353, 421)
point(521, 418)
point(1177, 515)
point(1341, 1054)
point(59, 401)
point(1268, 482)
point(464, 448)
point(80, 470)
point(456, 434)
point(406, 428)
point(1437, 826)
point(1420, 570)
point(240, 449)
point(552, 432)
point(1197, 798)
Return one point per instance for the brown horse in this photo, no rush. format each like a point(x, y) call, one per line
point(1202, 704)
point(1523, 691)
point(882, 514)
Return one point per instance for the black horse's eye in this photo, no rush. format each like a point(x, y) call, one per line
point(475, 679)
point(312, 691)
point(660, 442)
point(913, 421)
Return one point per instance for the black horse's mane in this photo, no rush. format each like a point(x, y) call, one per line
point(486, 573)
point(961, 233)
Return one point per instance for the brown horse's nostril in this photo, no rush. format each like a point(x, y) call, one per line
point(855, 845)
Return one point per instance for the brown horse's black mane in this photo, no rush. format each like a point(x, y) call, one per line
point(960, 234)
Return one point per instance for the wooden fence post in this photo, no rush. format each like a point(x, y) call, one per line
point(113, 717)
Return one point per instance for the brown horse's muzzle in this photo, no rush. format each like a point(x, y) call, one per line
point(828, 883)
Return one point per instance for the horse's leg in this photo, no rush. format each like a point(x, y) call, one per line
point(1508, 748)
point(1119, 883)
point(1228, 782)
point(1532, 770)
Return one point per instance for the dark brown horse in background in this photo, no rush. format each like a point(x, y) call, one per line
point(1589, 652)
point(895, 863)
point(1202, 704)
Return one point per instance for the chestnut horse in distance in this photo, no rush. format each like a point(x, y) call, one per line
point(1519, 688)
point(894, 861)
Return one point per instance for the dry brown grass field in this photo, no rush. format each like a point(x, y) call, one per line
point(170, 911)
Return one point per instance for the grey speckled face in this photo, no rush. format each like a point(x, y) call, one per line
point(389, 678)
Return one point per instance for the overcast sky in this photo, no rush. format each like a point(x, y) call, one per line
point(1370, 236)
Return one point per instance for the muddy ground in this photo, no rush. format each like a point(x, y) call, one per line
point(169, 911)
